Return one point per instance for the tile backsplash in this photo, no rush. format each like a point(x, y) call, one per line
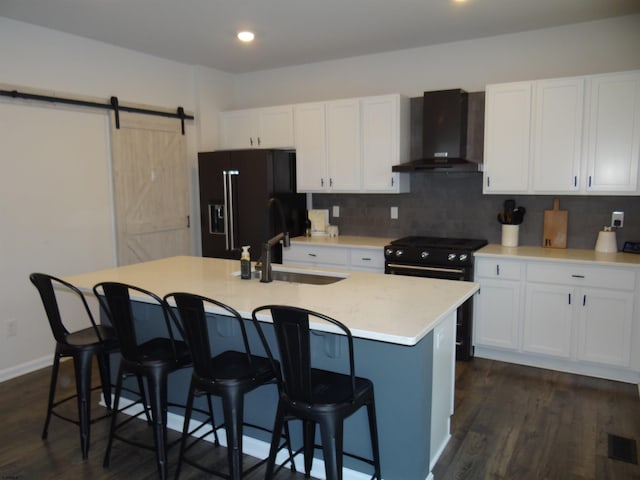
point(453, 205)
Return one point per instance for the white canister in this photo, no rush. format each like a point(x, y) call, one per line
point(607, 242)
point(510, 235)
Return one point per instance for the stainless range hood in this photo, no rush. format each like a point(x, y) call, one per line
point(444, 134)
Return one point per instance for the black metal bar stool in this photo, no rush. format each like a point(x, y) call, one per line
point(82, 345)
point(153, 359)
point(315, 396)
point(228, 375)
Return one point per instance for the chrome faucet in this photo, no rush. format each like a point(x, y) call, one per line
point(265, 259)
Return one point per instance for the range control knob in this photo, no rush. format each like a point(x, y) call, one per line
point(463, 257)
point(399, 253)
point(451, 257)
point(388, 252)
point(424, 255)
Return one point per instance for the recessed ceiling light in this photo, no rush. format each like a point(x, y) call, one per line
point(246, 36)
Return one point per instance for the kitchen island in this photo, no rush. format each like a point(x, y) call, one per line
point(404, 335)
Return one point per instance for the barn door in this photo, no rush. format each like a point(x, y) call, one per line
point(151, 188)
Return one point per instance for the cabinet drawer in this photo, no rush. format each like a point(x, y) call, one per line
point(316, 255)
point(582, 275)
point(367, 258)
point(490, 268)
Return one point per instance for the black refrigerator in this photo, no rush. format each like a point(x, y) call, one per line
point(235, 189)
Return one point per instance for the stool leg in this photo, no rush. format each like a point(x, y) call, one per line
point(232, 407)
point(373, 430)
point(105, 377)
point(331, 434)
point(185, 429)
point(309, 438)
point(275, 441)
point(82, 365)
point(158, 396)
point(52, 392)
point(114, 414)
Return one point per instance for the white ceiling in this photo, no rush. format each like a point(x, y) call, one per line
point(292, 32)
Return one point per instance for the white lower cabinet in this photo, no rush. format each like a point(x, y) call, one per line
point(571, 316)
point(350, 258)
point(497, 305)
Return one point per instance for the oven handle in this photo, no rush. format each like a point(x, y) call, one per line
point(426, 269)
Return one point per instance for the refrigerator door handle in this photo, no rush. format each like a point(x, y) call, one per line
point(230, 237)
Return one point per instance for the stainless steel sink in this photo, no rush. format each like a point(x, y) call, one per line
point(298, 276)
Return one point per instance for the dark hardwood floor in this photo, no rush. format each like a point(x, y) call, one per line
point(511, 422)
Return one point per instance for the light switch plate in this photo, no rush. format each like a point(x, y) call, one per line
point(336, 211)
point(394, 213)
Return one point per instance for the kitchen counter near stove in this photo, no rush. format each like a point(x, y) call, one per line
point(560, 255)
point(343, 241)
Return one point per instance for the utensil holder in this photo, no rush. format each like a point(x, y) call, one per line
point(510, 235)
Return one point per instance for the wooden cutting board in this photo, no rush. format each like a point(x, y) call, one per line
point(555, 227)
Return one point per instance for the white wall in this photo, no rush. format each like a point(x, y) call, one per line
point(55, 190)
point(594, 47)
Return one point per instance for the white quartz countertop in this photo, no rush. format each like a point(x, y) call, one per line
point(560, 254)
point(389, 308)
point(344, 241)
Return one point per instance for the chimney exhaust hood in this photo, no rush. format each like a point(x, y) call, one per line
point(444, 134)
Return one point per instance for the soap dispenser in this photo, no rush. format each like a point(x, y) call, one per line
point(245, 263)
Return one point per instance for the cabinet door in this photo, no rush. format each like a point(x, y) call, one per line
point(311, 149)
point(614, 133)
point(548, 319)
point(237, 130)
point(497, 313)
point(275, 127)
point(343, 145)
point(605, 322)
point(507, 138)
point(382, 143)
point(557, 143)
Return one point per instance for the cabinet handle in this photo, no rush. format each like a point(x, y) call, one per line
point(365, 259)
point(322, 182)
point(488, 182)
point(251, 141)
point(392, 181)
point(312, 254)
point(498, 270)
point(584, 300)
point(577, 276)
point(569, 299)
point(330, 182)
point(589, 180)
point(259, 142)
point(575, 181)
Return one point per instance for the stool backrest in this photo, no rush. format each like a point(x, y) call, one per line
point(293, 336)
point(47, 286)
point(118, 300)
point(195, 323)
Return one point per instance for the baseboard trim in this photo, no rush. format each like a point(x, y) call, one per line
point(26, 367)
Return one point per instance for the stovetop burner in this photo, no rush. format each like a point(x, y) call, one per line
point(418, 241)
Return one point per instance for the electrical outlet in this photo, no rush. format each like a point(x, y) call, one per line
point(336, 211)
point(617, 219)
point(394, 213)
point(11, 327)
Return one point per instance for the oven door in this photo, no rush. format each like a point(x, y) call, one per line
point(444, 273)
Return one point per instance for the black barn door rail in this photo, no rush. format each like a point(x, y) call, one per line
point(112, 105)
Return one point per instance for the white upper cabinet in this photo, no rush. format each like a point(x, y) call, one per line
point(349, 146)
point(576, 135)
point(343, 145)
point(507, 138)
point(270, 127)
point(384, 123)
point(614, 133)
point(311, 147)
point(557, 140)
